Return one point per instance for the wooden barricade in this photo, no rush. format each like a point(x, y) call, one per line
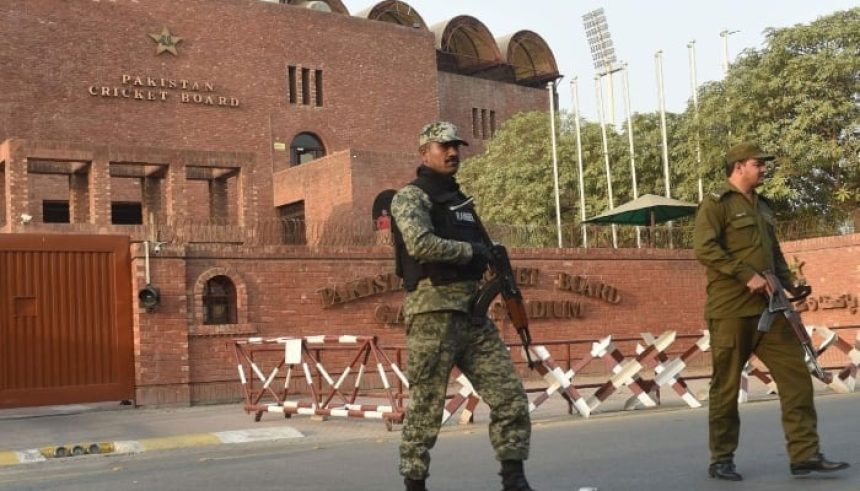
point(332, 397)
point(267, 389)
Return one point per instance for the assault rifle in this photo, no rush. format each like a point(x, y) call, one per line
point(503, 282)
point(780, 303)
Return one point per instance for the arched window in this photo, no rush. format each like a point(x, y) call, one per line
point(304, 148)
point(381, 212)
point(219, 301)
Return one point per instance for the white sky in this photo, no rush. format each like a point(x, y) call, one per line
point(638, 28)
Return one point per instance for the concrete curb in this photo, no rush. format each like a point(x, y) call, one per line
point(64, 451)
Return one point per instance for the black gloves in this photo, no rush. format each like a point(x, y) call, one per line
point(480, 250)
point(481, 256)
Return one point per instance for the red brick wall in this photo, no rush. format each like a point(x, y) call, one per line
point(659, 290)
point(162, 364)
point(458, 94)
point(323, 184)
point(831, 265)
point(282, 284)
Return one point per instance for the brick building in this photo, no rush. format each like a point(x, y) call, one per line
point(206, 112)
point(227, 126)
point(234, 155)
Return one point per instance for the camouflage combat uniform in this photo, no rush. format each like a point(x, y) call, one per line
point(735, 239)
point(440, 335)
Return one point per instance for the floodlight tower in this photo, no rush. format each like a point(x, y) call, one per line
point(602, 52)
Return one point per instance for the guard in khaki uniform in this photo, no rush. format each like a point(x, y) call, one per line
point(735, 239)
point(441, 258)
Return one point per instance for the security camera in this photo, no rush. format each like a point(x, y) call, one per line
point(26, 218)
point(154, 247)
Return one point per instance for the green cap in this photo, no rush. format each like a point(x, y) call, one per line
point(746, 151)
point(440, 131)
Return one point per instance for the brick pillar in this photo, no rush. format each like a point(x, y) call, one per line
point(17, 187)
point(218, 201)
point(175, 185)
point(152, 192)
point(99, 189)
point(245, 195)
point(162, 364)
point(79, 199)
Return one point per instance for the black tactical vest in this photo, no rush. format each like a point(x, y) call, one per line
point(453, 217)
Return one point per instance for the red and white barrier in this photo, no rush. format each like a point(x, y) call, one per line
point(266, 389)
point(558, 381)
point(626, 372)
point(846, 380)
point(668, 372)
point(337, 402)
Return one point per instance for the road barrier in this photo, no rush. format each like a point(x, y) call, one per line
point(328, 399)
point(658, 363)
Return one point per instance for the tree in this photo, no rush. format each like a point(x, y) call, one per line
point(799, 96)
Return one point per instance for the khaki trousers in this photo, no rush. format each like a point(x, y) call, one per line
point(732, 343)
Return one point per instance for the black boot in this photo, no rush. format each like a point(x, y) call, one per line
point(414, 484)
point(724, 470)
point(513, 476)
point(816, 463)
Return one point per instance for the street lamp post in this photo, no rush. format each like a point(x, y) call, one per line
point(551, 89)
point(658, 58)
point(630, 143)
point(694, 88)
point(725, 33)
point(574, 85)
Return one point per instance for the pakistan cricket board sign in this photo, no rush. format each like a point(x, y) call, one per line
point(160, 89)
point(537, 309)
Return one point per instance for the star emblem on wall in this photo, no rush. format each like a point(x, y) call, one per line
point(166, 42)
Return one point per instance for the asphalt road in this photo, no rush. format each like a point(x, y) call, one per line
point(643, 451)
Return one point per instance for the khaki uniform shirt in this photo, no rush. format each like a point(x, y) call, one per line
point(735, 239)
point(410, 208)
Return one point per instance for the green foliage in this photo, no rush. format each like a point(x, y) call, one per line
point(798, 96)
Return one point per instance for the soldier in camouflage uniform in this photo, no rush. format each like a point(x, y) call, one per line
point(441, 256)
point(734, 238)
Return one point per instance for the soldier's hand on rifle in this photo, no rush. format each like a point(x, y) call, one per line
point(481, 254)
point(758, 284)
